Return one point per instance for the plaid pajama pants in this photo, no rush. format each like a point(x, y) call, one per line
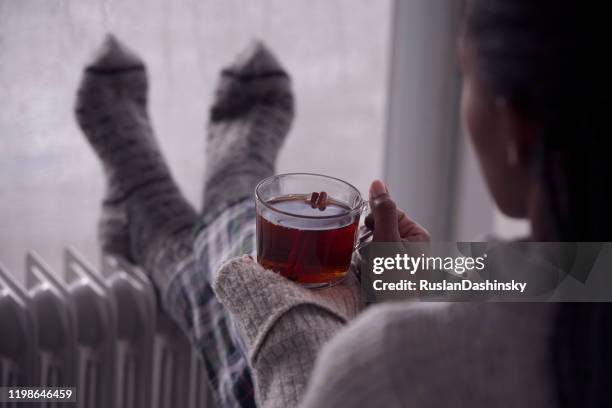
point(190, 300)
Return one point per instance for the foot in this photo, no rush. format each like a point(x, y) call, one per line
point(143, 211)
point(249, 120)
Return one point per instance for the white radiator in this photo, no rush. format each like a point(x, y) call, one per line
point(103, 333)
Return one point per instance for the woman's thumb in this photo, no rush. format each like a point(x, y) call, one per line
point(385, 215)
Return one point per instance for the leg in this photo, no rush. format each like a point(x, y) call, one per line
point(249, 121)
point(145, 218)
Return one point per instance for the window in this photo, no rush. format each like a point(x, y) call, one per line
point(337, 52)
point(375, 82)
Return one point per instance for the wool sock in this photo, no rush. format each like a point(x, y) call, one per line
point(249, 120)
point(145, 218)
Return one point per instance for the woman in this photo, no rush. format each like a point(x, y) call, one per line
point(536, 82)
point(535, 95)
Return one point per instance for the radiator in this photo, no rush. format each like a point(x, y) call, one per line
point(103, 333)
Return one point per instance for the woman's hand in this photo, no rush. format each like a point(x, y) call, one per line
point(388, 222)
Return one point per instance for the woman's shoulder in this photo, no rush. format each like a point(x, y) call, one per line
point(476, 352)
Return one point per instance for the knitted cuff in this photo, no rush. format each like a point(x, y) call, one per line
point(257, 298)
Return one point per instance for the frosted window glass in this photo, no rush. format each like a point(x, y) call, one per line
point(51, 184)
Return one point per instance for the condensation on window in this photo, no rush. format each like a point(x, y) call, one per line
point(51, 183)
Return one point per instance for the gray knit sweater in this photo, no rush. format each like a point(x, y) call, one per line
point(393, 355)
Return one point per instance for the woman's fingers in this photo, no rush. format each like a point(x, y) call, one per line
point(410, 230)
point(384, 212)
point(389, 223)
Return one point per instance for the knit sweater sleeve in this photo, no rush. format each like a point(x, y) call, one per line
point(283, 324)
point(437, 355)
point(353, 369)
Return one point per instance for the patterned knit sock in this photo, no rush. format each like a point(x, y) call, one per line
point(145, 219)
point(249, 121)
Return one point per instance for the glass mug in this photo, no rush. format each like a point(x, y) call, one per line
point(304, 244)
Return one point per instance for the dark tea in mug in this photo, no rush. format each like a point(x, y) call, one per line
point(304, 243)
point(301, 252)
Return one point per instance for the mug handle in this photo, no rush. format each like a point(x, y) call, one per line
point(364, 236)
